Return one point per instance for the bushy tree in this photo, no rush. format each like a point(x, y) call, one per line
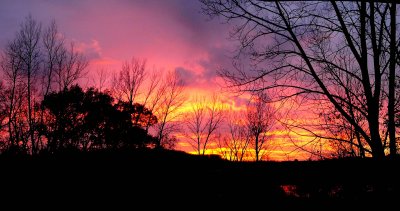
point(88, 120)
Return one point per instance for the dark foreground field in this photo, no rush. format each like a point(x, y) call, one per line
point(146, 180)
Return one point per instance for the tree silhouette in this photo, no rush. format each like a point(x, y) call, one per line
point(14, 90)
point(29, 53)
point(260, 120)
point(171, 99)
point(126, 86)
point(3, 107)
point(63, 128)
point(89, 120)
point(141, 118)
point(34, 63)
point(234, 146)
point(70, 66)
point(311, 50)
point(203, 122)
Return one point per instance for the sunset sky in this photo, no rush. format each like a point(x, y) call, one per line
point(170, 35)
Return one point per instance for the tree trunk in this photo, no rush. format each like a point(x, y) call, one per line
point(256, 147)
point(377, 149)
point(10, 115)
point(30, 121)
point(392, 75)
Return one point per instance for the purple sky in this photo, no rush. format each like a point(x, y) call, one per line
point(171, 34)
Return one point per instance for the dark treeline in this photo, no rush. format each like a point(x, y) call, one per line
point(170, 179)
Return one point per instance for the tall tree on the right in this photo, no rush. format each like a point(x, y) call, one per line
point(393, 51)
point(313, 51)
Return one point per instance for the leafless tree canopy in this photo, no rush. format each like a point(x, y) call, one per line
point(340, 55)
point(71, 67)
point(203, 122)
point(259, 120)
point(130, 79)
point(171, 98)
point(234, 145)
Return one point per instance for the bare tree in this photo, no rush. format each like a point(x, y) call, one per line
point(101, 79)
point(53, 44)
point(131, 77)
point(393, 51)
point(3, 108)
point(203, 122)
point(260, 120)
point(29, 53)
point(296, 50)
point(12, 75)
point(153, 95)
point(234, 146)
point(335, 127)
point(171, 99)
point(3, 116)
point(344, 139)
point(71, 66)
